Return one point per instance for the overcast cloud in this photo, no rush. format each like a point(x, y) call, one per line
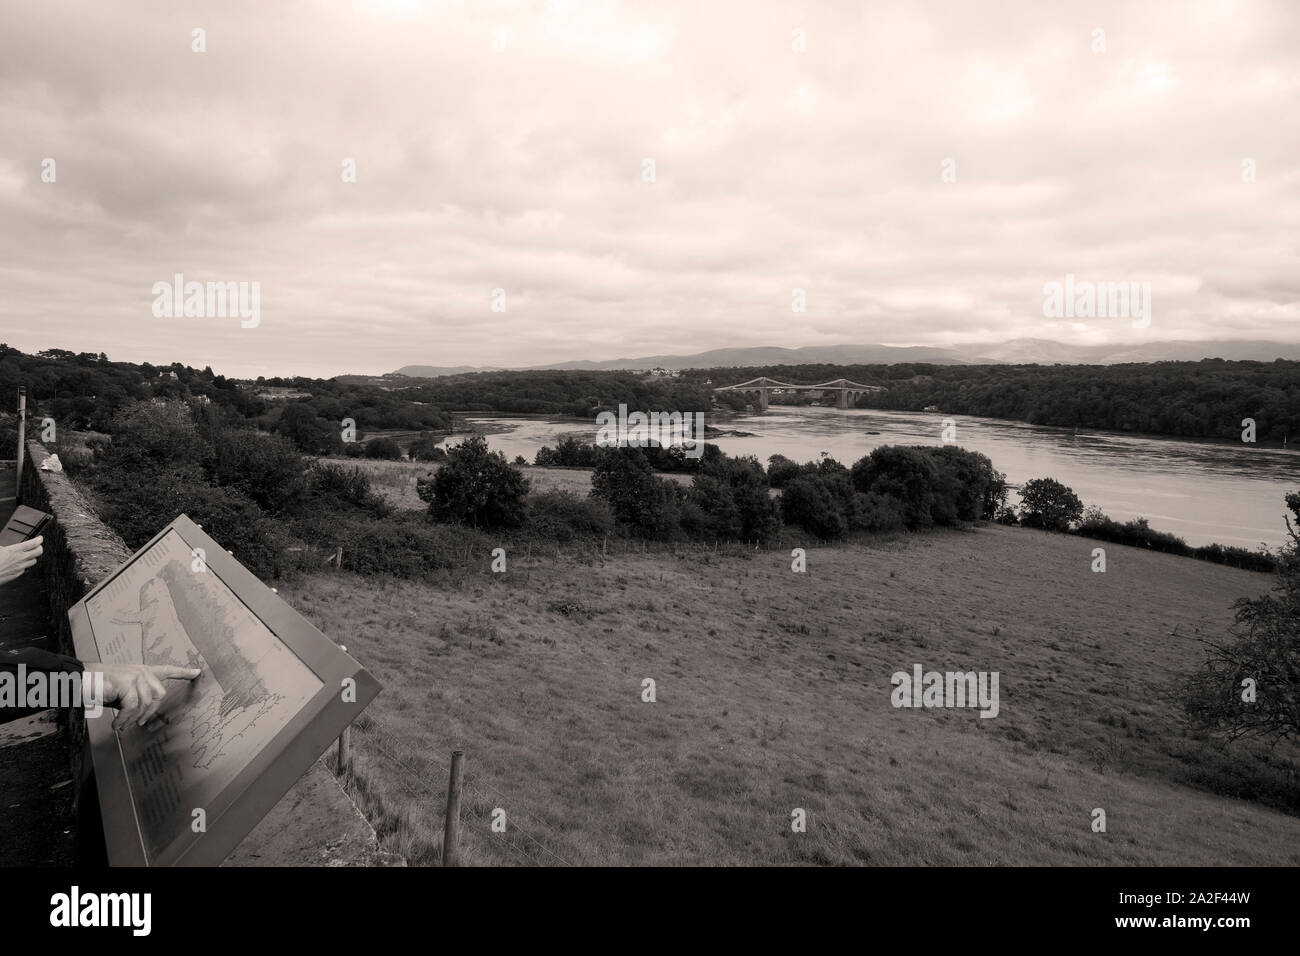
point(522, 169)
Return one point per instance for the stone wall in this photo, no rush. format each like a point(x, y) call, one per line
point(80, 550)
point(315, 822)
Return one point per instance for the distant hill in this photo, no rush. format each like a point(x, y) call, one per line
point(1014, 352)
point(771, 355)
point(438, 371)
point(1048, 352)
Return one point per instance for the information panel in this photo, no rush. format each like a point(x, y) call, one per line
point(272, 695)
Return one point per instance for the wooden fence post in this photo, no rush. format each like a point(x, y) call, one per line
point(451, 830)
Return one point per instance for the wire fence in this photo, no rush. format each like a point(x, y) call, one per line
point(426, 779)
point(519, 842)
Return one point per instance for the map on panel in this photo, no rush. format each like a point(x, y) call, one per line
point(166, 607)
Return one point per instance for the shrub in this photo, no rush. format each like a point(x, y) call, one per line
point(426, 448)
point(383, 448)
point(1267, 651)
point(711, 511)
point(1136, 533)
point(564, 516)
point(267, 468)
point(312, 434)
point(354, 449)
point(478, 487)
point(809, 503)
point(1236, 557)
point(146, 433)
point(571, 451)
point(733, 495)
point(396, 545)
point(1046, 503)
point(648, 505)
point(141, 503)
point(876, 513)
point(781, 470)
point(337, 489)
point(908, 475)
point(969, 488)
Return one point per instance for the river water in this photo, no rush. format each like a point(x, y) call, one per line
point(1201, 491)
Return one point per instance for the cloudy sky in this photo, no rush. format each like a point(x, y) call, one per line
point(504, 145)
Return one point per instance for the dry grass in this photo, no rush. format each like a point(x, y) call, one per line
point(774, 693)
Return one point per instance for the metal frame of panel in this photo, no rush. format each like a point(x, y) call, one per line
point(273, 771)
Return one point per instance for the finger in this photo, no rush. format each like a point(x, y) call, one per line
point(126, 705)
point(144, 694)
point(156, 688)
point(143, 689)
point(149, 711)
point(172, 672)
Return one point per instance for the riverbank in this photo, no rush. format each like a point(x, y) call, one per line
point(772, 692)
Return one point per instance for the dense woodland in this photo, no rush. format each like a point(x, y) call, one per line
point(1206, 399)
point(86, 391)
point(580, 394)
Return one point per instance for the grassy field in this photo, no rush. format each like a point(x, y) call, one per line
point(773, 693)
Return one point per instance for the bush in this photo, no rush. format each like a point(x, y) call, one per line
point(383, 448)
point(877, 513)
point(710, 510)
point(337, 489)
point(648, 505)
point(426, 448)
point(571, 451)
point(354, 449)
point(1267, 651)
point(969, 487)
point(908, 475)
point(733, 494)
point(396, 546)
point(1046, 503)
point(564, 516)
point(141, 503)
point(781, 470)
point(1137, 534)
point(809, 503)
point(266, 468)
point(312, 434)
point(1236, 557)
point(478, 487)
point(147, 433)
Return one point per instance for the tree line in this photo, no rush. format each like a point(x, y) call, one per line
point(1206, 399)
